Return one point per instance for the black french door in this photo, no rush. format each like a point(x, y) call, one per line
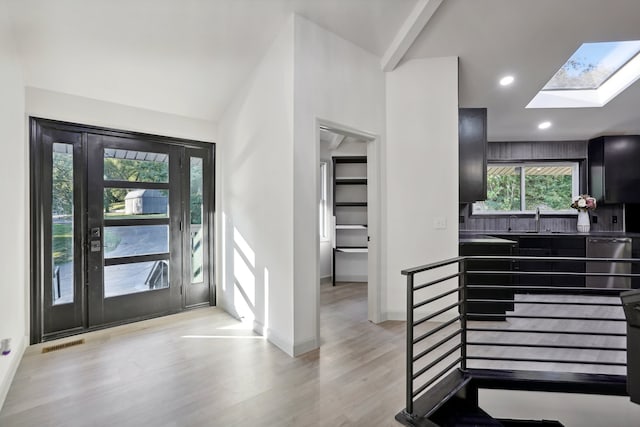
point(121, 227)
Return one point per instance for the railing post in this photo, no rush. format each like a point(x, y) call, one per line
point(463, 313)
point(409, 352)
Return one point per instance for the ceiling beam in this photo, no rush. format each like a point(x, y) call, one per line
point(409, 32)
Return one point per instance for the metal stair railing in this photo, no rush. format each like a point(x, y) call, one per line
point(444, 326)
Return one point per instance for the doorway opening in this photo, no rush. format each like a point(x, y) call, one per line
point(348, 217)
point(121, 227)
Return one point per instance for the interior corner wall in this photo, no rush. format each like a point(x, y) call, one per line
point(421, 170)
point(14, 289)
point(255, 198)
point(339, 82)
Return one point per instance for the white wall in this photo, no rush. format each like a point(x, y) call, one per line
point(60, 106)
point(421, 170)
point(572, 410)
point(255, 198)
point(14, 288)
point(338, 82)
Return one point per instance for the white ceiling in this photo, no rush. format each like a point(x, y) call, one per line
point(185, 57)
point(531, 40)
point(189, 57)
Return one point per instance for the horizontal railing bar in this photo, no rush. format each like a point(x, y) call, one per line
point(526, 359)
point(437, 313)
point(437, 360)
point(547, 258)
point(436, 345)
point(551, 332)
point(436, 329)
point(431, 266)
point(552, 289)
point(437, 297)
point(424, 386)
point(602, 304)
point(548, 273)
point(435, 282)
point(527, 316)
point(564, 347)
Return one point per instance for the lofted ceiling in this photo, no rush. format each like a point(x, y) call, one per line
point(189, 57)
point(185, 57)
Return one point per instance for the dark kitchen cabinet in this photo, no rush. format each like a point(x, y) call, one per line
point(558, 246)
point(482, 247)
point(614, 176)
point(635, 268)
point(472, 140)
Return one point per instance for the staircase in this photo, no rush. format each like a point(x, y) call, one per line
point(453, 401)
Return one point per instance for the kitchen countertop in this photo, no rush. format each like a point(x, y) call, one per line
point(484, 239)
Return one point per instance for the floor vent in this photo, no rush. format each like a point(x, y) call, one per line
point(61, 346)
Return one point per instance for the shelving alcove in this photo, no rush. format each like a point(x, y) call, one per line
point(350, 234)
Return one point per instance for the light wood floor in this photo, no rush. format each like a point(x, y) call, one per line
point(202, 368)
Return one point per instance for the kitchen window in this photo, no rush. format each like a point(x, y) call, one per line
point(523, 187)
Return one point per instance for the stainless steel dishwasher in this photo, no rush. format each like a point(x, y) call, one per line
point(608, 247)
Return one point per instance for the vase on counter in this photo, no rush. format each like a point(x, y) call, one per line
point(584, 224)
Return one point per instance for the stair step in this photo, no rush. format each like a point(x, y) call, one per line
point(530, 423)
point(458, 412)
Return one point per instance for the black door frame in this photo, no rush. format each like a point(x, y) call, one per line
point(38, 209)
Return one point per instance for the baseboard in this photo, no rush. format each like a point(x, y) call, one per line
point(305, 347)
point(326, 279)
point(280, 342)
point(258, 328)
point(14, 361)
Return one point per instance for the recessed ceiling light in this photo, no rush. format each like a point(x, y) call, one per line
point(506, 80)
point(544, 125)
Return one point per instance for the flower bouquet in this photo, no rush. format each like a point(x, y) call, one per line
point(584, 202)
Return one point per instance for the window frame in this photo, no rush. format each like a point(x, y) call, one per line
point(575, 187)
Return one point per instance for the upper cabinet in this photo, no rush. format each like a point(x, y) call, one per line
point(614, 173)
point(472, 135)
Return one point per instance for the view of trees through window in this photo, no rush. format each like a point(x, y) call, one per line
point(132, 171)
point(549, 187)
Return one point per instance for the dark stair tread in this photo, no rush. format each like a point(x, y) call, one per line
point(458, 412)
point(530, 423)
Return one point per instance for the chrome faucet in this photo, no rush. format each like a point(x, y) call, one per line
point(537, 218)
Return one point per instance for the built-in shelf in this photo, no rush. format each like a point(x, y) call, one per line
point(349, 190)
point(351, 181)
point(350, 159)
point(353, 204)
point(353, 250)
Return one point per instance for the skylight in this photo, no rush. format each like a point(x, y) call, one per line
point(595, 74)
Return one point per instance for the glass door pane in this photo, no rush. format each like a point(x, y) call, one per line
point(197, 241)
point(62, 223)
point(195, 202)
